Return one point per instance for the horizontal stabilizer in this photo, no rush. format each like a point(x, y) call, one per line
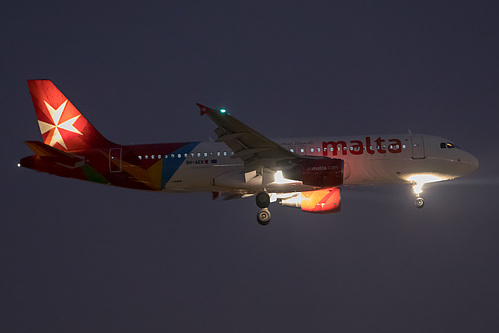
point(44, 150)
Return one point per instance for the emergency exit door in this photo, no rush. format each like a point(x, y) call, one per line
point(417, 147)
point(115, 159)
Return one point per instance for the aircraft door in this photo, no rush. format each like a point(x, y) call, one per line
point(418, 151)
point(115, 159)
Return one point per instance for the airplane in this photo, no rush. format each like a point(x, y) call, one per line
point(305, 173)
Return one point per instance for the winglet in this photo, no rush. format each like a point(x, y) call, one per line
point(204, 109)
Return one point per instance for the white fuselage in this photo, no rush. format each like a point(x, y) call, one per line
point(371, 159)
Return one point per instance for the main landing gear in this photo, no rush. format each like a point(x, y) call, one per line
point(263, 216)
point(263, 201)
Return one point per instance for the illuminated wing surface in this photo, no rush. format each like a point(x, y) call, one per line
point(247, 144)
point(264, 157)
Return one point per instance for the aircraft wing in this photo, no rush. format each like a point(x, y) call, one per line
point(247, 144)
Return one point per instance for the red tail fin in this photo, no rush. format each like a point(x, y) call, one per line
point(62, 125)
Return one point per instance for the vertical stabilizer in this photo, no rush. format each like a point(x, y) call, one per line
point(61, 124)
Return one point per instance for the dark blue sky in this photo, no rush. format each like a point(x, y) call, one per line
point(82, 257)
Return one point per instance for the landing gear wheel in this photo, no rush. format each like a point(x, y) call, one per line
point(419, 202)
point(263, 199)
point(263, 216)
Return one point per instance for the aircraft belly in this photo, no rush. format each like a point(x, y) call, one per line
point(197, 178)
point(358, 171)
point(375, 171)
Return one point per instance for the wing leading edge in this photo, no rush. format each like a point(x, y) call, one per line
point(253, 148)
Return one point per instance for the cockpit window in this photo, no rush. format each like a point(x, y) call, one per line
point(447, 145)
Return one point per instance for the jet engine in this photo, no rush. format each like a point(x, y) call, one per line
point(319, 201)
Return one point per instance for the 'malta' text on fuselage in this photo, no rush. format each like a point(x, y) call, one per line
point(357, 147)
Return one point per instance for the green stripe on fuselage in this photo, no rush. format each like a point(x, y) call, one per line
point(92, 175)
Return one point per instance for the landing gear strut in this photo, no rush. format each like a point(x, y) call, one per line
point(418, 189)
point(263, 201)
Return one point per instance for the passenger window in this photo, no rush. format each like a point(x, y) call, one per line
point(205, 154)
point(225, 153)
point(140, 157)
point(442, 145)
point(147, 157)
point(172, 155)
point(311, 150)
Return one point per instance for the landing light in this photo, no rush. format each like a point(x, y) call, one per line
point(420, 179)
point(279, 178)
point(223, 110)
point(18, 165)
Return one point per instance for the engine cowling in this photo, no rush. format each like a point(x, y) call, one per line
point(319, 201)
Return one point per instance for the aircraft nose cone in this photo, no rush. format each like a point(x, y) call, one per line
point(470, 161)
point(474, 162)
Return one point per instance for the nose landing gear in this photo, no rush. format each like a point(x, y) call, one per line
point(419, 202)
point(263, 201)
point(418, 189)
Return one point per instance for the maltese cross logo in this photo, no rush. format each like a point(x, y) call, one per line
point(54, 129)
